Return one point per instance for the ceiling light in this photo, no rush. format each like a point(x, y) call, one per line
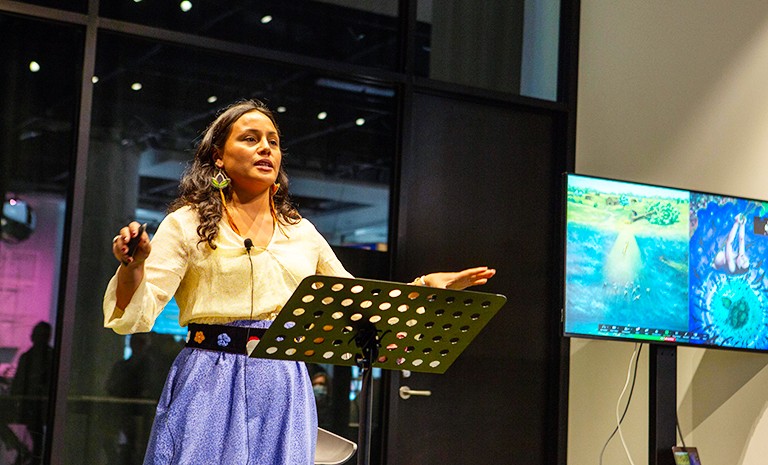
point(136, 86)
point(281, 109)
point(322, 115)
point(95, 79)
point(185, 6)
point(360, 121)
point(212, 99)
point(34, 66)
point(266, 19)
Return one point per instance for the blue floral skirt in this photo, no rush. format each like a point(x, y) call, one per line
point(221, 408)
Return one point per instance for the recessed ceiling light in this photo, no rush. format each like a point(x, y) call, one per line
point(185, 6)
point(136, 86)
point(95, 79)
point(212, 99)
point(34, 66)
point(266, 19)
point(322, 115)
point(281, 109)
point(360, 121)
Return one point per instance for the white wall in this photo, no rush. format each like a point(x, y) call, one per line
point(674, 92)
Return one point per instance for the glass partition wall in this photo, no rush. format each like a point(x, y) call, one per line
point(40, 66)
point(332, 71)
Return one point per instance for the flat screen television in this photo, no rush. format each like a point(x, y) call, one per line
point(664, 265)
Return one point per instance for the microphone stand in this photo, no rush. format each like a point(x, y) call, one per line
point(367, 341)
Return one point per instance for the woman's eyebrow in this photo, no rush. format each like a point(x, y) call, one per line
point(269, 133)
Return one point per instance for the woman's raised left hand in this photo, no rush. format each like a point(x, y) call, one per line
point(460, 279)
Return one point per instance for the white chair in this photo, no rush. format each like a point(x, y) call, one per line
point(332, 449)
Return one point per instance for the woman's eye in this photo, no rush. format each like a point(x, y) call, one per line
point(274, 142)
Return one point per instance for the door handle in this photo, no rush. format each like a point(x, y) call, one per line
point(406, 393)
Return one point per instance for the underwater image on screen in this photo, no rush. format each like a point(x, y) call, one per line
point(626, 259)
point(666, 265)
point(729, 245)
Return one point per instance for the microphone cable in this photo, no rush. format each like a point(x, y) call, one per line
point(679, 431)
point(634, 359)
point(248, 243)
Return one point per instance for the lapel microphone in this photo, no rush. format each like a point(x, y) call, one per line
point(248, 243)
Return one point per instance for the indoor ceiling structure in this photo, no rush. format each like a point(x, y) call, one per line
point(154, 98)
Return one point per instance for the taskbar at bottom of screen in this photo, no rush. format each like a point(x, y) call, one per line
point(651, 334)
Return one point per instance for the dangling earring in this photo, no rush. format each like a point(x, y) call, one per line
point(273, 190)
point(220, 181)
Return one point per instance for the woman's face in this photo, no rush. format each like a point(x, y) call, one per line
point(251, 155)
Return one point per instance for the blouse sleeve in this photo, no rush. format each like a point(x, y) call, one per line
point(163, 271)
point(328, 264)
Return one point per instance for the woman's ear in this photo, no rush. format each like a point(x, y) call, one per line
point(217, 160)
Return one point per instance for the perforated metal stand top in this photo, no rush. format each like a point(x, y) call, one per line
point(334, 320)
point(343, 321)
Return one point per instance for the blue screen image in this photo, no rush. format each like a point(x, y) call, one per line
point(727, 272)
point(627, 252)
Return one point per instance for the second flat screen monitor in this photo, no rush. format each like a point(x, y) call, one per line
point(667, 265)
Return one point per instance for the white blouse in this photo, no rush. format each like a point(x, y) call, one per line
point(213, 286)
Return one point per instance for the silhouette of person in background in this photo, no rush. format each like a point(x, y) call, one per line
point(321, 391)
point(129, 378)
point(140, 377)
point(31, 383)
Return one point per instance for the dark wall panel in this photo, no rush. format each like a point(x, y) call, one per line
point(479, 187)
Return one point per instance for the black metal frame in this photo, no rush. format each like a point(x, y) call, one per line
point(564, 109)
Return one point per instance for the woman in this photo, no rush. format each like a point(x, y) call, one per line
point(231, 231)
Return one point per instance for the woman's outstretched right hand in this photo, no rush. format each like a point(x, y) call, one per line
point(120, 245)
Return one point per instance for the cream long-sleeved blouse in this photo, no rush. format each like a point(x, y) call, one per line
point(214, 286)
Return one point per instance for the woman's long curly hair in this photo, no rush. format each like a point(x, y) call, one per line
point(196, 189)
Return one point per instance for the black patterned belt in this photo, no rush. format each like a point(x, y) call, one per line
point(223, 338)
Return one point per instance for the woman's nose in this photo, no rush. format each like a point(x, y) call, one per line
point(263, 147)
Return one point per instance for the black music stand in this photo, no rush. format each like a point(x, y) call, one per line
point(368, 323)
